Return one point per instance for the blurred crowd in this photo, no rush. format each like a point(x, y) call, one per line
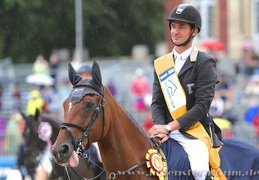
point(41, 96)
point(241, 87)
point(44, 94)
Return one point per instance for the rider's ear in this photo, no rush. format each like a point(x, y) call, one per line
point(74, 77)
point(96, 74)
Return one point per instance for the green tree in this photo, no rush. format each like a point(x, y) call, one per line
point(35, 27)
point(111, 28)
point(118, 25)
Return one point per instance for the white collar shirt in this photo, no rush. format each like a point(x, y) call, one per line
point(180, 59)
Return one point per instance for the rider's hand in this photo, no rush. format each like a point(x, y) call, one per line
point(157, 129)
point(164, 138)
point(160, 138)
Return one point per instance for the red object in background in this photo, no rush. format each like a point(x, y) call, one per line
point(255, 123)
point(147, 124)
point(227, 133)
point(213, 44)
point(147, 121)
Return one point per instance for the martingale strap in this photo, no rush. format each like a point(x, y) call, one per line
point(113, 175)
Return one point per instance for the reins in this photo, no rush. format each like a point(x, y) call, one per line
point(80, 150)
point(113, 175)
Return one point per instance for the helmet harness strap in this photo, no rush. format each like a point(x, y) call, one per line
point(187, 41)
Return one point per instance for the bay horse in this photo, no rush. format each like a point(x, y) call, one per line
point(92, 114)
point(36, 131)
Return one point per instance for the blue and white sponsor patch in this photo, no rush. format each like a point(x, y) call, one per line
point(165, 75)
point(77, 92)
point(84, 87)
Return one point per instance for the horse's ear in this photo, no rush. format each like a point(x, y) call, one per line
point(37, 114)
point(96, 74)
point(23, 115)
point(74, 77)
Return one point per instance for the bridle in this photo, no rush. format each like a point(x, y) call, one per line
point(36, 149)
point(78, 144)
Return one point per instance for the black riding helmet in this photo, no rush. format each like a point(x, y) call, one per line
point(186, 13)
point(85, 69)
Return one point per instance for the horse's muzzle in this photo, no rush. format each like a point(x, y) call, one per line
point(61, 153)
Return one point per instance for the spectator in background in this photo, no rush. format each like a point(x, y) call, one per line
point(217, 106)
point(36, 102)
point(47, 94)
point(112, 88)
point(65, 88)
point(40, 65)
point(17, 97)
point(76, 62)
point(225, 87)
point(13, 132)
point(249, 63)
point(1, 96)
point(246, 62)
point(225, 90)
point(53, 69)
point(252, 87)
point(230, 113)
point(2, 131)
point(85, 71)
point(139, 89)
point(252, 61)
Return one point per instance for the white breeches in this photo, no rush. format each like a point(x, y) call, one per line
point(197, 153)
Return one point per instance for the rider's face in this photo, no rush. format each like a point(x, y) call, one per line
point(180, 31)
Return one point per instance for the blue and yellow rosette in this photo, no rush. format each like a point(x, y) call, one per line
point(157, 163)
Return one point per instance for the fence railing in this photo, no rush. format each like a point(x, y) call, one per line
point(10, 141)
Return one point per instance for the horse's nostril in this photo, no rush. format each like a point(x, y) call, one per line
point(61, 153)
point(64, 149)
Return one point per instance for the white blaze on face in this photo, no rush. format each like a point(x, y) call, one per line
point(69, 106)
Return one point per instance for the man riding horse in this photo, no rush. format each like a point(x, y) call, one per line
point(183, 89)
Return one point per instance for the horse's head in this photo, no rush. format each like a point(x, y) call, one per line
point(36, 135)
point(84, 121)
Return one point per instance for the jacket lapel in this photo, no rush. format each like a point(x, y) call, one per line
point(188, 63)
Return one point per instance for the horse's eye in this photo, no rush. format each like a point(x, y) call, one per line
point(89, 105)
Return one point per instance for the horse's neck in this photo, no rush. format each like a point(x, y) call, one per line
point(125, 144)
